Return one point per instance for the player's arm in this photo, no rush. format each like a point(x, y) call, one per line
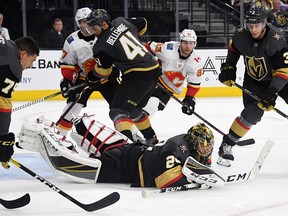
point(193, 86)
point(140, 23)
point(170, 172)
point(228, 69)
point(102, 69)
point(280, 79)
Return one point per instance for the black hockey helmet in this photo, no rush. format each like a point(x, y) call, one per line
point(256, 14)
point(200, 139)
point(97, 17)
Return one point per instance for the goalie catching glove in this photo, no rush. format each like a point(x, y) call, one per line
point(228, 74)
point(6, 148)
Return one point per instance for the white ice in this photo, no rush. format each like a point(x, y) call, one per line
point(266, 195)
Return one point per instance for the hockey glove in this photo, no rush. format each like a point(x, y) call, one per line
point(269, 97)
point(115, 76)
point(65, 84)
point(6, 148)
point(92, 81)
point(189, 105)
point(228, 74)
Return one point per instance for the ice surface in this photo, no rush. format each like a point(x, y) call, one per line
point(266, 195)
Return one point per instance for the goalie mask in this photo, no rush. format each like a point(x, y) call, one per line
point(200, 139)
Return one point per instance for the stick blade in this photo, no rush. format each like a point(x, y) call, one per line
point(245, 142)
point(104, 202)
point(17, 203)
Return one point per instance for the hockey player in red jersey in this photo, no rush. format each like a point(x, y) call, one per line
point(75, 62)
point(118, 45)
point(179, 62)
point(265, 56)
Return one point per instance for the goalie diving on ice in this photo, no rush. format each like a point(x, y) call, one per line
point(104, 155)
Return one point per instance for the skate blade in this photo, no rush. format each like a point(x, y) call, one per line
point(223, 162)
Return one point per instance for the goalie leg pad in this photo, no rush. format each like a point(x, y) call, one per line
point(29, 136)
point(95, 137)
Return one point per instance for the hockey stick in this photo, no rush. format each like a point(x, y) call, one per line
point(239, 143)
point(45, 98)
point(258, 99)
point(232, 178)
point(71, 106)
point(146, 193)
point(102, 203)
point(16, 203)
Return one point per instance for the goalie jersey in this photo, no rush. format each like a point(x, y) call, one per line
point(176, 69)
point(161, 166)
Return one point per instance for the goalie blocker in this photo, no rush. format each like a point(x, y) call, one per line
point(97, 146)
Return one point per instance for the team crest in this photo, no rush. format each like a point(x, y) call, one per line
point(256, 67)
point(183, 148)
point(277, 36)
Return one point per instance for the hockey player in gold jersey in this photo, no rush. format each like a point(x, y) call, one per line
point(118, 44)
point(265, 55)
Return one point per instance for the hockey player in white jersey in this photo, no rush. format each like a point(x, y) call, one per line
point(180, 62)
point(76, 61)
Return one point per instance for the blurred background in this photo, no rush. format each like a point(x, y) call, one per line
point(214, 21)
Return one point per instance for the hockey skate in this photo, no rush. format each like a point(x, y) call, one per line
point(225, 152)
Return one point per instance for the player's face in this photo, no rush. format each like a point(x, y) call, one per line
point(96, 30)
point(186, 47)
point(27, 60)
point(256, 30)
point(83, 27)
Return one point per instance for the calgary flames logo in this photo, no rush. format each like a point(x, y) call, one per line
point(256, 67)
point(176, 78)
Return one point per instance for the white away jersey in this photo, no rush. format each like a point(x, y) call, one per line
point(176, 70)
point(77, 50)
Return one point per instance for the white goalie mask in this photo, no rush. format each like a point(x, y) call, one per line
point(82, 13)
point(188, 35)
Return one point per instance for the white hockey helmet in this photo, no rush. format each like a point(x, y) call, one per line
point(82, 13)
point(188, 35)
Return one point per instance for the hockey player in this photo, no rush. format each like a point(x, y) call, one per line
point(158, 166)
point(179, 61)
point(118, 44)
point(266, 74)
point(15, 57)
point(75, 62)
point(163, 165)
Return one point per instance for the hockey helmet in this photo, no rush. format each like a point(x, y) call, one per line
point(97, 17)
point(188, 35)
point(256, 14)
point(200, 139)
point(81, 14)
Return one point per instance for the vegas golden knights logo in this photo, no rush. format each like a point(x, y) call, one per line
point(256, 67)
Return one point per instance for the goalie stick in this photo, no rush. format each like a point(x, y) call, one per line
point(239, 143)
point(229, 179)
point(102, 203)
point(16, 203)
point(45, 98)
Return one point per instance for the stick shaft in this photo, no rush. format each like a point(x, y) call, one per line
point(45, 98)
point(258, 99)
